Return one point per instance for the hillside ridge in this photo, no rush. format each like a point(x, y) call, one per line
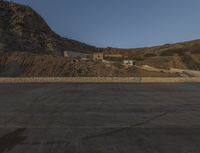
point(22, 29)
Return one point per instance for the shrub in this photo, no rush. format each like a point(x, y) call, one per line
point(138, 58)
point(118, 65)
point(114, 58)
point(132, 69)
point(190, 62)
point(195, 51)
point(172, 52)
point(150, 55)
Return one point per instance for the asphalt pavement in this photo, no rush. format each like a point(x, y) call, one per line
point(100, 118)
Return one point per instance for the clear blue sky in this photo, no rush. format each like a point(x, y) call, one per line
point(122, 23)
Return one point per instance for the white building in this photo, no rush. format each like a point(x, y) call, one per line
point(128, 62)
point(66, 54)
point(97, 56)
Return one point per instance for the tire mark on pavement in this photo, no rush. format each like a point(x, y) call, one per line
point(39, 98)
point(124, 128)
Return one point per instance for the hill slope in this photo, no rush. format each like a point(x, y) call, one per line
point(22, 29)
point(184, 55)
point(25, 38)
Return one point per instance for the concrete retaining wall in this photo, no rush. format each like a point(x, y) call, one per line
point(102, 80)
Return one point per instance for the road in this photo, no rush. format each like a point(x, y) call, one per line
point(182, 72)
point(100, 118)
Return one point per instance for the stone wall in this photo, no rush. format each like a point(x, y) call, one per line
point(102, 80)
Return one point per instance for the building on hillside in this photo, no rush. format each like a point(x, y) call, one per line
point(97, 56)
point(128, 63)
point(65, 54)
point(75, 54)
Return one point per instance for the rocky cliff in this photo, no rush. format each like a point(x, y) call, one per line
point(22, 29)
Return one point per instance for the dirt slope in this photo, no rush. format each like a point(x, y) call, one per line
point(23, 64)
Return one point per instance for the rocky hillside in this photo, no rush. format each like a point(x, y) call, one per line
point(22, 29)
point(184, 55)
point(28, 47)
point(23, 64)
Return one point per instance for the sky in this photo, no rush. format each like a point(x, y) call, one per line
point(121, 23)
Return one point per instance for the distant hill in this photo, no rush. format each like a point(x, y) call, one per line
point(22, 29)
point(184, 55)
point(25, 39)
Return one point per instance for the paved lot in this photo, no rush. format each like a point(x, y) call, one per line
point(103, 118)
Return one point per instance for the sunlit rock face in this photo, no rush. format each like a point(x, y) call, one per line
point(22, 29)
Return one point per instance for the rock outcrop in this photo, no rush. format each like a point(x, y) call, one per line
point(22, 29)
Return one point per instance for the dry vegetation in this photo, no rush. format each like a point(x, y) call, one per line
point(25, 64)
